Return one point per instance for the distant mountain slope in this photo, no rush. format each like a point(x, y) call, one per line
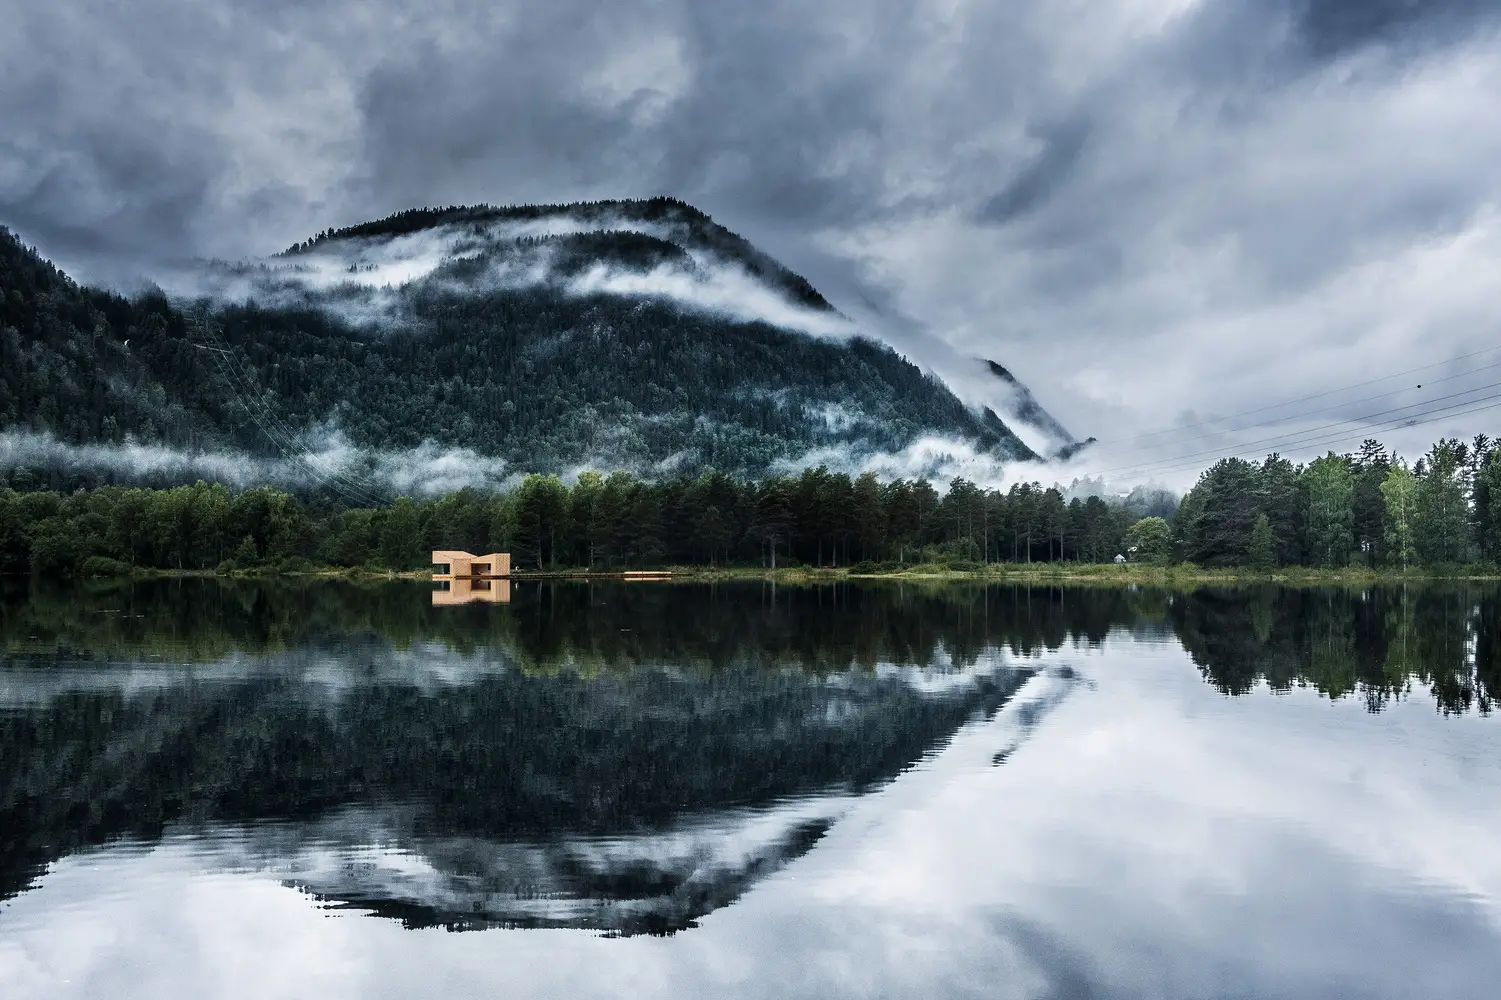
point(639, 335)
point(1024, 409)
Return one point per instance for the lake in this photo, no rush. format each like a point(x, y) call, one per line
point(745, 790)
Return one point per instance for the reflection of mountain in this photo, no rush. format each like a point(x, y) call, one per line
point(383, 861)
point(608, 756)
point(631, 800)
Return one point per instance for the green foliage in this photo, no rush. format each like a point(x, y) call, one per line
point(1399, 491)
point(103, 566)
point(1330, 490)
point(1262, 549)
point(1283, 498)
point(1224, 508)
point(1365, 509)
point(66, 367)
point(817, 518)
point(1152, 540)
point(1368, 506)
point(1487, 507)
point(1443, 513)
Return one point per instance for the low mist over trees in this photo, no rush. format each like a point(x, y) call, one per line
point(1365, 509)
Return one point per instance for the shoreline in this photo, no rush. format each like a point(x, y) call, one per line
point(1038, 573)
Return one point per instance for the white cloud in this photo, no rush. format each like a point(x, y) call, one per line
point(326, 459)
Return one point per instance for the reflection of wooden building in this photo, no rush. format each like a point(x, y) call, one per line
point(467, 589)
point(461, 577)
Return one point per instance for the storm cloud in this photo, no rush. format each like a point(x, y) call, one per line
point(1153, 212)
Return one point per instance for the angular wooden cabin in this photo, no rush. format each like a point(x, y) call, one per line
point(451, 564)
point(461, 577)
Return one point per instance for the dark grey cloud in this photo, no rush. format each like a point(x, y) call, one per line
point(1061, 150)
point(1141, 207)
point(1335, 26)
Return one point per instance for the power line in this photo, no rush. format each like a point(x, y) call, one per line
point(1257, 448)
point(290, 437)
point(280, 436)
point(1316, 395)
point(1308, 413)
point(1282, 440)
point(258, 411)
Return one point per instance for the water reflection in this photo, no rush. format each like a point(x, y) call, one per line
point(1378, 645)
point(548, 765)
point(1374, 645)
point(886, 790)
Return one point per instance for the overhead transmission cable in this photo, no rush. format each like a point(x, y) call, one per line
point(1317, 395)
point(277, 435)
point(1400, 423)
point(1380, 420)
point(1282, 440)
point(1300, 415)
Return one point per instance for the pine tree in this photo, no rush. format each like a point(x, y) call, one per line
point(1488, 507)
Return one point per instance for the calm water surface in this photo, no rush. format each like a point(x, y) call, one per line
point(745, 791)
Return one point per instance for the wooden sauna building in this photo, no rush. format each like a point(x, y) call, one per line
point(461, 577)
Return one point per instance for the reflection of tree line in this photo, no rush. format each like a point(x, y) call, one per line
point(586, 626)
point(1341, 642)
point(1372, 644)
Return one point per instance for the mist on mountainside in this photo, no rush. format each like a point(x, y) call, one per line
point(614, 335)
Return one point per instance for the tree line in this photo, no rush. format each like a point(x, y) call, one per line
point(1368, 508)
point(817, 518)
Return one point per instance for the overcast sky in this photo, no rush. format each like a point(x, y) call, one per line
point(1153, 211)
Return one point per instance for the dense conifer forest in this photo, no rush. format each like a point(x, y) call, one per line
point(1366, 509)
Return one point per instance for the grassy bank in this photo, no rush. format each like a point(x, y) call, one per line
point(1179, 576)
point(1093, 573)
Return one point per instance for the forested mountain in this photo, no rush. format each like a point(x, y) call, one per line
point(638, 335)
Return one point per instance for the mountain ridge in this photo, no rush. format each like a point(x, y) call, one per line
point(616, 334)
point(691, 225)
